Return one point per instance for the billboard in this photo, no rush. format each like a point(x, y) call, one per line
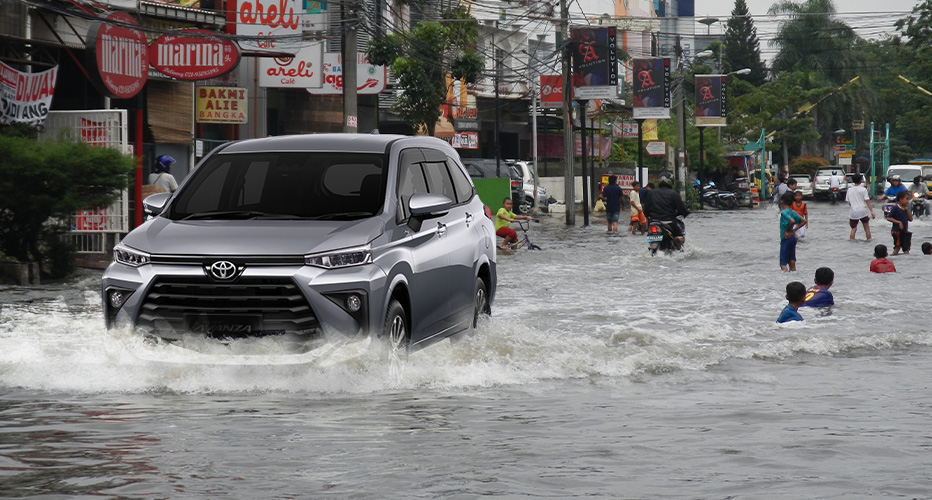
point(711, 104)
point(595, 63)
point(651, 87)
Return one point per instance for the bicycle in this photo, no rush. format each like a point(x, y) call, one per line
point(524, 240)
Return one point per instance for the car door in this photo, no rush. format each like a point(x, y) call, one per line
point(445, 177)
point(428, 285)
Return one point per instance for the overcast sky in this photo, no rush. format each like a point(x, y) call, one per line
point(759, 7)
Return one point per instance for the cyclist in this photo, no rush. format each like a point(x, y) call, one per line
point(503, 219)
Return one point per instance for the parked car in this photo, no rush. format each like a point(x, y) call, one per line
point(313, 238)
point(804, 184)
point(820, 184)
point(535, 195)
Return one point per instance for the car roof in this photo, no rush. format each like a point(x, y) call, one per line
point(352, 143)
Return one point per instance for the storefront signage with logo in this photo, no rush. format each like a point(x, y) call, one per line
point(193, 55)
point(25, 97)
point(370, 79)
point(221, 105)
point(118, 55)
point(465, 140)
point(551, 91)
point(299, 72)
point(269, 25)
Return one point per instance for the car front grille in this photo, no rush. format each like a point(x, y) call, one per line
point(247, 307)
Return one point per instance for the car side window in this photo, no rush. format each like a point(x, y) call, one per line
point(461, 184)
point(410, 180)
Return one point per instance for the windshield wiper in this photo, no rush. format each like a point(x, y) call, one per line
point(341, 215)
point(225, 214)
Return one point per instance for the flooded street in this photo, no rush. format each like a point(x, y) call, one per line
point(603, 372)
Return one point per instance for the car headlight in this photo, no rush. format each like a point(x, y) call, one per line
point(130, 257)
point(340, 258)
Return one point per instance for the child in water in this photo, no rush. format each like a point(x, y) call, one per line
point(795, 296)
point(881, 264)
point(818, 295)
point(799, 206)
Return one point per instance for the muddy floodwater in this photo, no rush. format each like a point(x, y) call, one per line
point(603, 373)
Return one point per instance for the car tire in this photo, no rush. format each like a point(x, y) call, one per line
point(396, 335)
point(480, 302)
point(525, 206)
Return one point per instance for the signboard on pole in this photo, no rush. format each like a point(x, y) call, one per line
point(117, 55)
point(651, 88)
point(656, 148)
point(595, 63)
point(551, 91)
point(711, 104)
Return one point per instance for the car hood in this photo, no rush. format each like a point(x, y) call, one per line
point(162, 236)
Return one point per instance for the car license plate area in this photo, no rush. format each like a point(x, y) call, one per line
point(652, 238)
point(224, 325)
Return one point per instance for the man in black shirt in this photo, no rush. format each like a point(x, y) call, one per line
point(665, 204)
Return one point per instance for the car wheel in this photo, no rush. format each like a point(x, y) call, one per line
point(396, 335)
point(525, 206)
point(481, 305)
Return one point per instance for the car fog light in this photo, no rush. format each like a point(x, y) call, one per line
point(117, 297)
point(353, 303)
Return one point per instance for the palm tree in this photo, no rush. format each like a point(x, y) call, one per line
point(812, 39)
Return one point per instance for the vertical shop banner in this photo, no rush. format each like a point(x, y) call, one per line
point(551, 91)
point(711, 105)
point(25, 97)
point(651, 88)
point(649, 130)
point(595, 63)
point(268, 25)
point(302, 71)
point(221, 105)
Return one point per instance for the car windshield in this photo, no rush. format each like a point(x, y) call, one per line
point(283, 185)
point(906, 174)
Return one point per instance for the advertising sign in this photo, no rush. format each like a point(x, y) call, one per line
point(118, 56)
point(651, 88)
point(595, 63)
point(551, 91)
point(656, 148)
point(465, 140)
point(221, 105)
point(315, 16)
point(193, 55)
point(299, 72)
point(370, 79)
point(25, 97)
point(711, 104)
point(268, 25)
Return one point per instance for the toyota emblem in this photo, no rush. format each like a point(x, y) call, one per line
point(223, 270)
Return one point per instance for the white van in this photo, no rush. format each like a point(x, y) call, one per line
point(906, 172)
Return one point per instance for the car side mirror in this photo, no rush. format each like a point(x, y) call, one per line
point(154, 204)
point(427, 206)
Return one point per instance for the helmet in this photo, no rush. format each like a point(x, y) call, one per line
point(164, 163)
point(711, 183)
point(895, 177)
point(665, 179)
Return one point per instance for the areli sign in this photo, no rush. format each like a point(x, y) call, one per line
point(193, 55)
point(221, 105)
point(268, 25)
point(118, 55)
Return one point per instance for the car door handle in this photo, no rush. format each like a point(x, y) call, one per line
point(468, 219)
point(441, 228)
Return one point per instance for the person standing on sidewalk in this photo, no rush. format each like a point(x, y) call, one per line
point(859, 203)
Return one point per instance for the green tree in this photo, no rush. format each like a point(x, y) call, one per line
point(42, 184)
point(422, 57)
point(742, 48)
point(812, 39)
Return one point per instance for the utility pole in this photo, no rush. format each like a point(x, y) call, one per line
point(569, 177)
point(681, 121)
point(348, 48)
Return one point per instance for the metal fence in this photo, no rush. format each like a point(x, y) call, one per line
point(104, 128)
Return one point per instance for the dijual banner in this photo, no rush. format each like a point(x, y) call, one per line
point(25, 97)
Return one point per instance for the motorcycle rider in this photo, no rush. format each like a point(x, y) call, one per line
point(834, 184)
point(162, 176)
point(920, 188)
point(665, 204)
point(896, 185)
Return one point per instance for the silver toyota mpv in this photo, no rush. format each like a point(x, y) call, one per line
point(313, 237)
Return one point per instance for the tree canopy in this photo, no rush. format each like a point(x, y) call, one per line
point(742, 48)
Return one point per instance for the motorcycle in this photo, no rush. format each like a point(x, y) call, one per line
point(917, 206)
point(713, 197)
point(660, 236)
point(834, 195)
